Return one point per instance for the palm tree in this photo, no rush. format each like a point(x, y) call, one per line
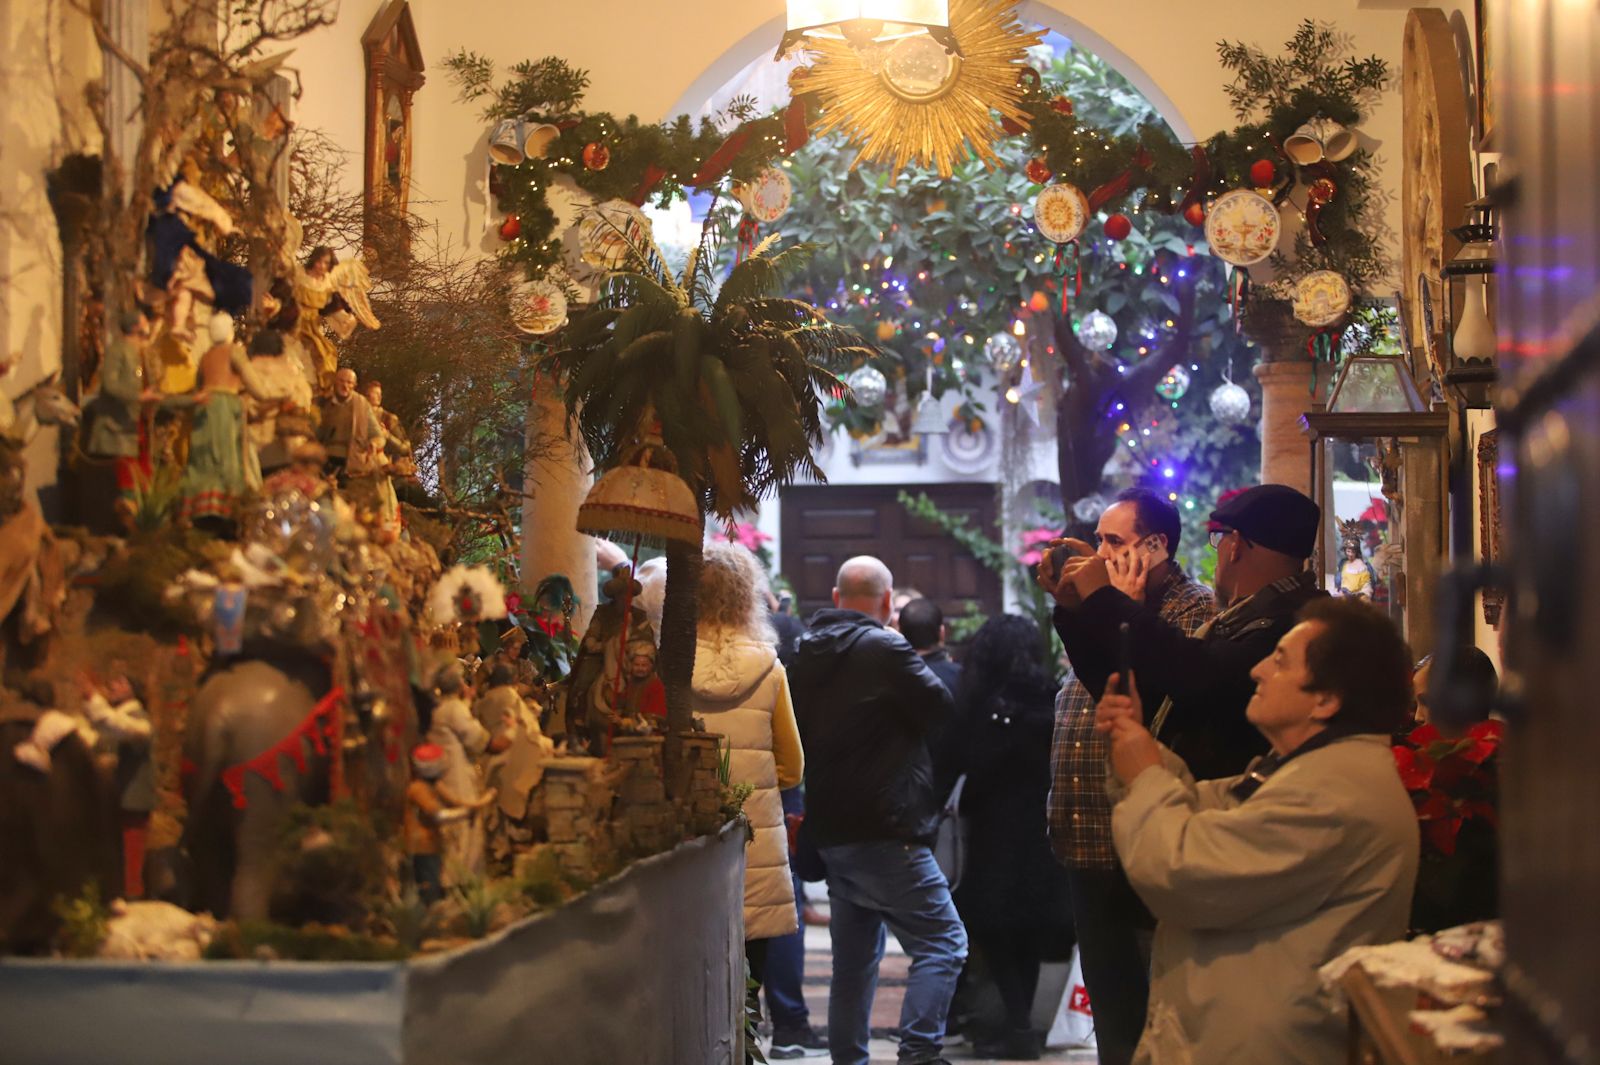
point(736, 376)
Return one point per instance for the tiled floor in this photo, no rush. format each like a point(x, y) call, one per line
point(891, 989)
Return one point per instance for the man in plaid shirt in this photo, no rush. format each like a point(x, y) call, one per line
point(1112, 923)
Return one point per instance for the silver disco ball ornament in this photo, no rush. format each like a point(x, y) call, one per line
point(1174, 385)
point(869, 386)
point(1004, 352)
point(1089, 508)
point(1097, 331)
point(1230, 404)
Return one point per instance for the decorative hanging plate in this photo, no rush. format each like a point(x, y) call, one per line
point(967, 450)
point(1243, 227)
point(1321, 298)
point(767, 198)
point(605, 233)
point(538, 307)
point(1061, 213)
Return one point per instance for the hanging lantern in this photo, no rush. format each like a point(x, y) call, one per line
point(643, 498)
point(1174, 385)
point(1097, 331)
point(869, 385)
point(864, 23)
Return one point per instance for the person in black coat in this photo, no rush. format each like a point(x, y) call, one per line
point(1013, 894)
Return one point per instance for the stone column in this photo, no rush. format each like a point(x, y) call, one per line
point(1286, 394)
point(556, 479)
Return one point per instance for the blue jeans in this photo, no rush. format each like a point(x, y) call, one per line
point(898, 884)
point(786, 958)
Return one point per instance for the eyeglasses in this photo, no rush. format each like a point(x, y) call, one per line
point(1217, 536)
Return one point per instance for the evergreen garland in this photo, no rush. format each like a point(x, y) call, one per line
point(1272, 96)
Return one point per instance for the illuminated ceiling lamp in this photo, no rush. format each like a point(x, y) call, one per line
point(863, 23)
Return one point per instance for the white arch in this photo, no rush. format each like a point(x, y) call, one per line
point(763, 41)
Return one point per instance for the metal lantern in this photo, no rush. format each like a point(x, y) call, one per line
point(864, 23)
point(1470, 341)
point(930, 419)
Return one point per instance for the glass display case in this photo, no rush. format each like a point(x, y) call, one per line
point(1378, 472)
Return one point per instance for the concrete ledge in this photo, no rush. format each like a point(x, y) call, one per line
point(646, 968)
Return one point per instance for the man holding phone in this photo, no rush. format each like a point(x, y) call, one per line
point(1137, 535)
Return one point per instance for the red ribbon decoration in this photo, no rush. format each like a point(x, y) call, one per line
point(721, 160)
point(313, 727)
point(1202, 178)
point(652, 177)
point(1119, 185)
point(1077, 264)
point(749, 231)
point(796, 129)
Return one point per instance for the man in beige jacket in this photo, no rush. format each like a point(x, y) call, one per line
point(1257, 880)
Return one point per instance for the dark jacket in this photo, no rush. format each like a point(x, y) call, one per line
point(1011, 880)
point(947, 669)
point(1208, 679)
point(866, 705)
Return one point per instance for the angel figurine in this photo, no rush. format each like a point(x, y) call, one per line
point(332, 294)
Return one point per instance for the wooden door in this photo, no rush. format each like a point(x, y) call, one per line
point(822, 525)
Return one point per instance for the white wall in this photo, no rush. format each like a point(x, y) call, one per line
point(44, 120)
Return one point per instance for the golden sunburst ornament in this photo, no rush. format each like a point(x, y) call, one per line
point(911, 101)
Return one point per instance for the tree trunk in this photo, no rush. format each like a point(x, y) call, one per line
point(679, 624)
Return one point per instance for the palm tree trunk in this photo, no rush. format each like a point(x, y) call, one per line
point(679, 622)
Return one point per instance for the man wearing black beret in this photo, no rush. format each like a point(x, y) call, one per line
point(1201, 684)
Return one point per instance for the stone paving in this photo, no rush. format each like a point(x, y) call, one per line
point(891, 990)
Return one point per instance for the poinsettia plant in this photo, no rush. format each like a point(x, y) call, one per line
point(1451, 781)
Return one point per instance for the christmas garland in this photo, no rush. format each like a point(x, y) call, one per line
point(611, 158)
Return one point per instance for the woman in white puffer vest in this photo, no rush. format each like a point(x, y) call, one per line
point(742, 693)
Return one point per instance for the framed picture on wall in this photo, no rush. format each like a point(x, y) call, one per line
point(1485, 72)
point(1489, 524)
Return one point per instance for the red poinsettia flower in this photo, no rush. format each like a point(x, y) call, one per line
point(1483, 739)
point(1416, 768)
point(513, 603)
point(1441, 833)
point(548, 625)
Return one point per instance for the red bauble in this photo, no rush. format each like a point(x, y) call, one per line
point(596, 156)
point(1038, 170)
point(1061, 105)
point(1195, 214)
point(511, 228)
point(1262, 173)
point(1118, 226)
point(1012, 127)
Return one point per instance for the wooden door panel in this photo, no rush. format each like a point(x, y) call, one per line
point(823, 525)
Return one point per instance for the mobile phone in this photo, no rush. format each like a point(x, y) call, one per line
point(1154, 551)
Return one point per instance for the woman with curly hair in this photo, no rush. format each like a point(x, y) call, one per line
point(1013, 895)
point(742, 693)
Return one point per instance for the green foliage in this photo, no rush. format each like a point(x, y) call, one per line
point(133, 584)
point(733, 375)
point(155, 495)
point(408, 919)
point(331, 865)
point(993, 556)
point(646, 159)
point(752, 1018)
point(251, 940)
point(481, 901)
point(84, 922)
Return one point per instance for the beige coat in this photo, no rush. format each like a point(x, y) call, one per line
point(742, 692)
point(1252, 897)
